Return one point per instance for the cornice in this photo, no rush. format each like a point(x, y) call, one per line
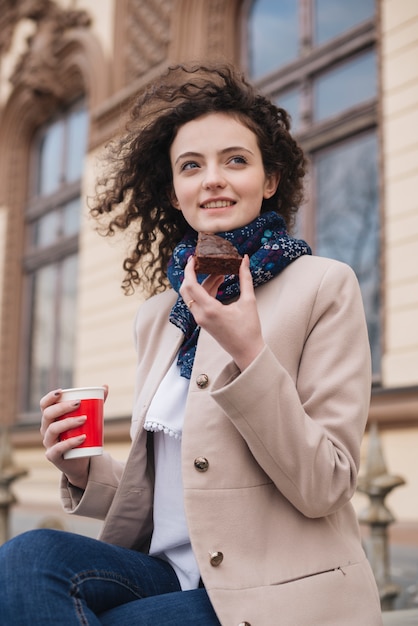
point(395, 407)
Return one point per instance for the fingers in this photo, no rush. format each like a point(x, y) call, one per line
point(51, 436)
point(201, 298)
point(54, 453)
point(53, 423)
point(52, 408)
point(191, 289)
point(245, 278)
point(50, 398)
point(212, 283)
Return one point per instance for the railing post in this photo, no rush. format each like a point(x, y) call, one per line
point(376, 483)
point(8, 473)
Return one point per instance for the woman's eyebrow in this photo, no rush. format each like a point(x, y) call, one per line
point(188, 155)
point(191, 154)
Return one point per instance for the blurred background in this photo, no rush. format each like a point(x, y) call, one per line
point(347, 72)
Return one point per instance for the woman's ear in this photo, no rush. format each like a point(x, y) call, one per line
point(271, 184)
point(173, 199)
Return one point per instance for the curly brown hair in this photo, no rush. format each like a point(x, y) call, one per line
point(136, 190)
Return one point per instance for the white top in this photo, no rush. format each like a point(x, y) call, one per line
point(170, 540)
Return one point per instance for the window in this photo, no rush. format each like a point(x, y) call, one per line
point(52, 228)
point(345, 86)
point(317, 59)
point(347, 218)
point(334, 17)
point(273, 35)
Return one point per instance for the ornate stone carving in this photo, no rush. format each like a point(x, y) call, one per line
point(39, 67)
point(147, 27)
point(217, 28)
point(8, 19)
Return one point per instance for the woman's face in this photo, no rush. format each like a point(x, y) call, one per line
point(218, 174)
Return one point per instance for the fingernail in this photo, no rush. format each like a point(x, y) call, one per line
point(76, 403)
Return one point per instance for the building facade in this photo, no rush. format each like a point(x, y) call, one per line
point(347, 73)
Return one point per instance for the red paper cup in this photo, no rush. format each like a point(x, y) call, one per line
point(91, 404)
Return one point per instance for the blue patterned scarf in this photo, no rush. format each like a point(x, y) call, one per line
point(270, 249)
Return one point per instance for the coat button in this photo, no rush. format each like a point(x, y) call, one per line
point(216, 558)
point(202, 381)
point(201, 464)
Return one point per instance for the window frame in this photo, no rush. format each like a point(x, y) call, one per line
point(300, 74)
point(312, 61)
point(34, 259)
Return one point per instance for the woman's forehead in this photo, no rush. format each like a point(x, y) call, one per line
point(213, 128)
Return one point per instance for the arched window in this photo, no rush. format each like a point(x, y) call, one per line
point(50, 259)
point(317, 59)
point(56, 75)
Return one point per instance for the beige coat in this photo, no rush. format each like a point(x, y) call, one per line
point(270, 456)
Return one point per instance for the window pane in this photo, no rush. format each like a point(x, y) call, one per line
point(71, 218)
point(348, 219)
point(50, 159)
point(290, 101)
point(47, 229)
point(58, 223)
point(334, 17)
point(76, 144)
point(67, 315)
point(345, 86)
point(42, 336)
point(54, 302)
point(273, 35)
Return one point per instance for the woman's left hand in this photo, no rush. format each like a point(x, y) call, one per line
point(235, 326)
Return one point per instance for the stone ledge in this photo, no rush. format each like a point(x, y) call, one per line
point(407, 617)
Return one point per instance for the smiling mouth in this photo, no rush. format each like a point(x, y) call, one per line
point(217, 204)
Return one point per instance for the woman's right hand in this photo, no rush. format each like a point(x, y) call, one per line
point(76, 470)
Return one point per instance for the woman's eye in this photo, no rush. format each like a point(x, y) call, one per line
point(238, 160)
point(190, 165)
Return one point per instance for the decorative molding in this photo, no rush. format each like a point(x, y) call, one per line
point(147, 36)
point(216, 27)
point(224, 29)
point(206, 31)
point(9, 16)
point(39, 69)
point(142, 35)
point(109, 117)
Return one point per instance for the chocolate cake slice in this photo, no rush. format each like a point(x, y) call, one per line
point(215, 255)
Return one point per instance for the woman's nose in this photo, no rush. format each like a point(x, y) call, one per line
point(213, 178)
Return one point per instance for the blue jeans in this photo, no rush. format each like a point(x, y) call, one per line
point(50, 577)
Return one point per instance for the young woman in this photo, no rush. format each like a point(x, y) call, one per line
point(251, 399)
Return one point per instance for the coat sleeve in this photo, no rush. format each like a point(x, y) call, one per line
point(95, 500)
point(305, 431)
